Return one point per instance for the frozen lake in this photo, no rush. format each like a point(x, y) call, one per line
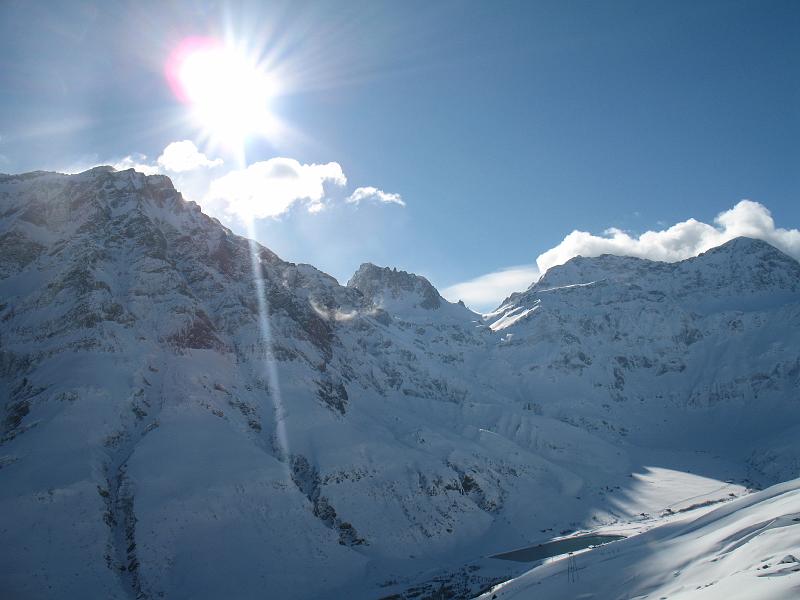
point(556, 547)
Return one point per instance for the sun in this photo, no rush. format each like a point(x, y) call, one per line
point(227, 91)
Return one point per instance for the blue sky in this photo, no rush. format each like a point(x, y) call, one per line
point(502, 126)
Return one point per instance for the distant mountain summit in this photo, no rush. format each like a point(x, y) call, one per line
point(381, 285)
point(748, 261)
point(166, 432)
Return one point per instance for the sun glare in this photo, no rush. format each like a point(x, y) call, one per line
point(228, 92)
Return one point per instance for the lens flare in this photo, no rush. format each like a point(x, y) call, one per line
point(227, 91)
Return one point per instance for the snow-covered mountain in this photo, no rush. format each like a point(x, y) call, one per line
point(187, 415)
point(662, 341)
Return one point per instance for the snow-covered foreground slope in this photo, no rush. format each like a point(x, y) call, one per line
point(747, 549)
point(187, 415)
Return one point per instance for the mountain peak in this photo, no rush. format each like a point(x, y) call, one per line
point(384, 284)
point(48, 195)
point(100, 169)
point(745, 245)
point(586, 269)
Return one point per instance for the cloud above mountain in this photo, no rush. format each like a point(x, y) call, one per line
point(678, 242)
point(185, 156)
point(264, 189)
point(177, 157)
point(269, 188)
point(132, 161)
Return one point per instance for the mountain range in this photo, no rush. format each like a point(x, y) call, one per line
point(186, 415)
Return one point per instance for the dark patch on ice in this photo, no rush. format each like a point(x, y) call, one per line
point(556, 547)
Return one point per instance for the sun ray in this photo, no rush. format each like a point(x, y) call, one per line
point(271, 371)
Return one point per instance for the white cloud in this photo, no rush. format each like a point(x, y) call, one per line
point(680, 241)
point(264, 189)
point(487, 291)
point(184, 156)
point(269, 188)
point(136, 161)
point(372, 193)
point(176, 157)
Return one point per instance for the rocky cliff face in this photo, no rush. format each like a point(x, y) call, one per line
point(187, 415)
point(382, 286)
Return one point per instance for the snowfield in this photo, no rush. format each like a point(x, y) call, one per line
point(747, 549)
point(187, 415)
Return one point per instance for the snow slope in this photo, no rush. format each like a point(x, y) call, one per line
point(749, 548)
point(188, 415)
